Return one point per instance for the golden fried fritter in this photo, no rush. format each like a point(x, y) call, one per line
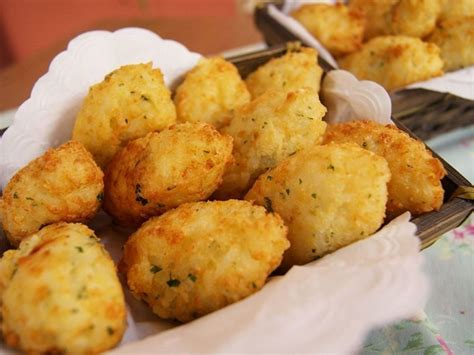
point(415, 18)
point(415, 185)
point(394, 61)
point(60, 293)
point(203, 256)
point(184, 163)
point(339, 29)
point(452, 9)
point(62, 185)
point(210, 92)
point(294, 70)
point(455, 38)
point(329, 196)
point(129, 103)
point(267, 130)
point(378, 14)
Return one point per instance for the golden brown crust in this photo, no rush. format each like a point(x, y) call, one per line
point(329, 196)
point(203, 256)
point(339, 29)
point(415, 185)
point(394, 61)
point(130, 102)
point(296, 69)
point(210, 92)
point(60, 293)
point(184, 163)
point(64, 184)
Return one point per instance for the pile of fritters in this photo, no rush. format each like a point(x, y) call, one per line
point(249, 179)
point(394, 42)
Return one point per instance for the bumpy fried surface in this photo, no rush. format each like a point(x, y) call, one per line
point(457, 8)
point(455, 38)
point(415, 18)
point(338, 28)
point(395, 61)
point(60, 293)
point(415, 185)
point(378, 14)
point(131, 101)
point(294, 70)
point(64, 184)
point(184, 163)
point(202, 256)
point(210, 92)
point(329, 196)
point(267, 130)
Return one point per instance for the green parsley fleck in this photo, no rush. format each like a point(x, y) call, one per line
point(100, 196)
point(29, 198)
point(173, 282)
point(110, 330)
point(154, 269)
point(172, 187)
point(192, 277)
point(267, 203)
point(313, 195)
point(301, 181)
point(15, 195)
point(80, 250)
point(254, 285)
point(331, 167)
point(269, 178)
point(364, 145)
point(288, 192)
point(145, 98)
point(206, 151)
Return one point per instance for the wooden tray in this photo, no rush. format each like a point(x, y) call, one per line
point(424, 112)
point(431, 226)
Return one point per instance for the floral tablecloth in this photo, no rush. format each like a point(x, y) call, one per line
point(446, 326)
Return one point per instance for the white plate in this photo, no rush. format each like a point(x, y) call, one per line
point(325, 306)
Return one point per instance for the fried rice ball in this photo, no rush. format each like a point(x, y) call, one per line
point(267, 130)
point(455, 38)
point(415, 185)
point(378, 15)
point(203, 256)
point(130, 102)
point(160, 171)
point(329, 196)
point(210, 92)
point(415, 18)
point(60, 293)
point(64, 184)
point(452, 9)
point(296, 69)
point(395, 61)
point(338, 28)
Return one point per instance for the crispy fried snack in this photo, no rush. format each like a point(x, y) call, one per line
point(455, 38)
point(415, 185)
point(329, 196)
point(395, 61)
point(338, 28)
point(184, 163)
point(131, 101)
point(64, 184)
point(203, 256)
point(452, 9)
point(60, 293)
point(378, 14)
point(296, 69)
point(415, 18)
point(267, 130)
point(210, 92)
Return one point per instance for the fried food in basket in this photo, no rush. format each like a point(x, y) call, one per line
point(64, 184)
point(455, 38)
point(415, 18)
point(377, 13)
point(184, 163)
point(296, 69)
point(130, 102)
point(415, 185)
point(452, 9)
point(338, 28)
point(267, 130)
point(210, 92)
point(394, 61)
point(60, 293)
point(329, 196)
point(203, 256)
